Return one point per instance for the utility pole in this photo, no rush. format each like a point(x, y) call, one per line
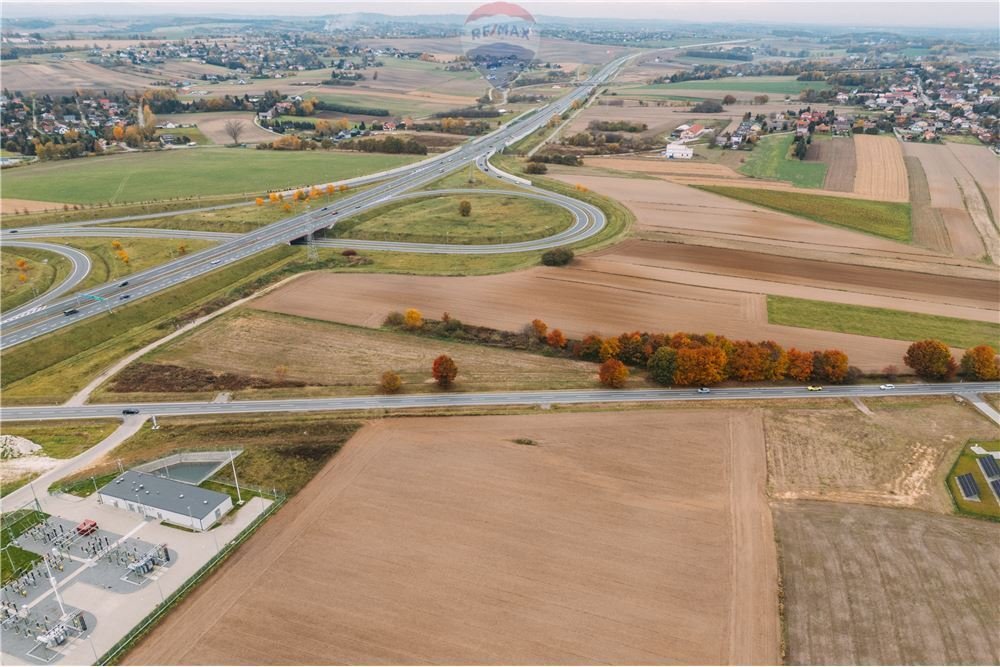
point(232, 461)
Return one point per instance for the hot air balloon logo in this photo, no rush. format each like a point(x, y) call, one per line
point(500, 39)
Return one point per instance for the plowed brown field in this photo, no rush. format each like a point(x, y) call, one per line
point(883, 586)
point(604, 298)
point(881, 172)
point(442, 541)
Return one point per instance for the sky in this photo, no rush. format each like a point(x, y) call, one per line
point(890, 13)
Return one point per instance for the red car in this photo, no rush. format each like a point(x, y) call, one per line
point(87, 527)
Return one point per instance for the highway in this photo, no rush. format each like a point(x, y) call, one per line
point(50, 317)
point(485, 399)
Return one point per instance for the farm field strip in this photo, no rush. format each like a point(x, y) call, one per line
point(881, 173)
point(598, 563)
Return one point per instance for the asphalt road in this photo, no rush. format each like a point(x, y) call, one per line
point(50, 317)
point(453, 400)
point(588, 220)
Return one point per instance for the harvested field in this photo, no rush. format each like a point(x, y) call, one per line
point(583, 547)
point(984, 167)
point(839, 155)
point(881, 586)
point(213, 126)
point(906, 287)
point(898, 456)
point(65, 76)
point(603, 302)
point(353, 359)
point(881, 173)
point(9, 206)
point(657, 118)
point(670, 207)
point(659, 167)
point(929, 229)
point(956, 193)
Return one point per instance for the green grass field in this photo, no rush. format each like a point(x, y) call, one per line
point(63, 439)
point(205, 171)
point(15, 559)
point(879, 322)
point(886, 219)
point(769, 85)
point(44, 270)
point(494, 219)
point(967, 463)
point(100, 212)
point(770, 159)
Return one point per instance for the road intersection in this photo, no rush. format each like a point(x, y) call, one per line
point(50, 317)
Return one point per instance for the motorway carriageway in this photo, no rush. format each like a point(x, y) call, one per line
point(31, 323)
point(488, 399)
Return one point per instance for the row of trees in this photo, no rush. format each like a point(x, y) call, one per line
point(931, 359)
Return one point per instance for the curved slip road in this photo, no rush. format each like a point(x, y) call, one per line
point(50, 317)
point(80, 269)
point(588, 220)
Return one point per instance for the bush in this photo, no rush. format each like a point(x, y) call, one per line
point(535, 168)
point(394, 319)
point(390, 383)
point(413, 319)
point(707, 106)
point(557, 257)
point(349, 253)
point(662, 365)
point(613, 373)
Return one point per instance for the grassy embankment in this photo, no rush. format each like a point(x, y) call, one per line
point(279, 451)
point(771, 159)
point(886, 219)
point(51, 368)
point(493, 219)
point(100, 211)
point(142, 254)
point(44, 269)
point(354, 358)
point(58, 439)
point(966, 462)
point(879, 322)
point(205, 172)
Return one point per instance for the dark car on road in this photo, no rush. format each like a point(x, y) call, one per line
point(130, 411)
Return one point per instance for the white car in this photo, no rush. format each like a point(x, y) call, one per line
point(885, 387)
point(704, 390)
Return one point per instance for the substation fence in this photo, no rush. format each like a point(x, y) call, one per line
point(124, 644)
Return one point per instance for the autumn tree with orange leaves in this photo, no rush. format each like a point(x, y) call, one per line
point(556, 339)
point(613, 373)
point(981, 363)
point(830, 366)
point(930, 359)
point(444, 371)
point(700, 366)
point(800, 365)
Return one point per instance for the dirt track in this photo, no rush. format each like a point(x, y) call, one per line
point(442, 541)
point(879, 586)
